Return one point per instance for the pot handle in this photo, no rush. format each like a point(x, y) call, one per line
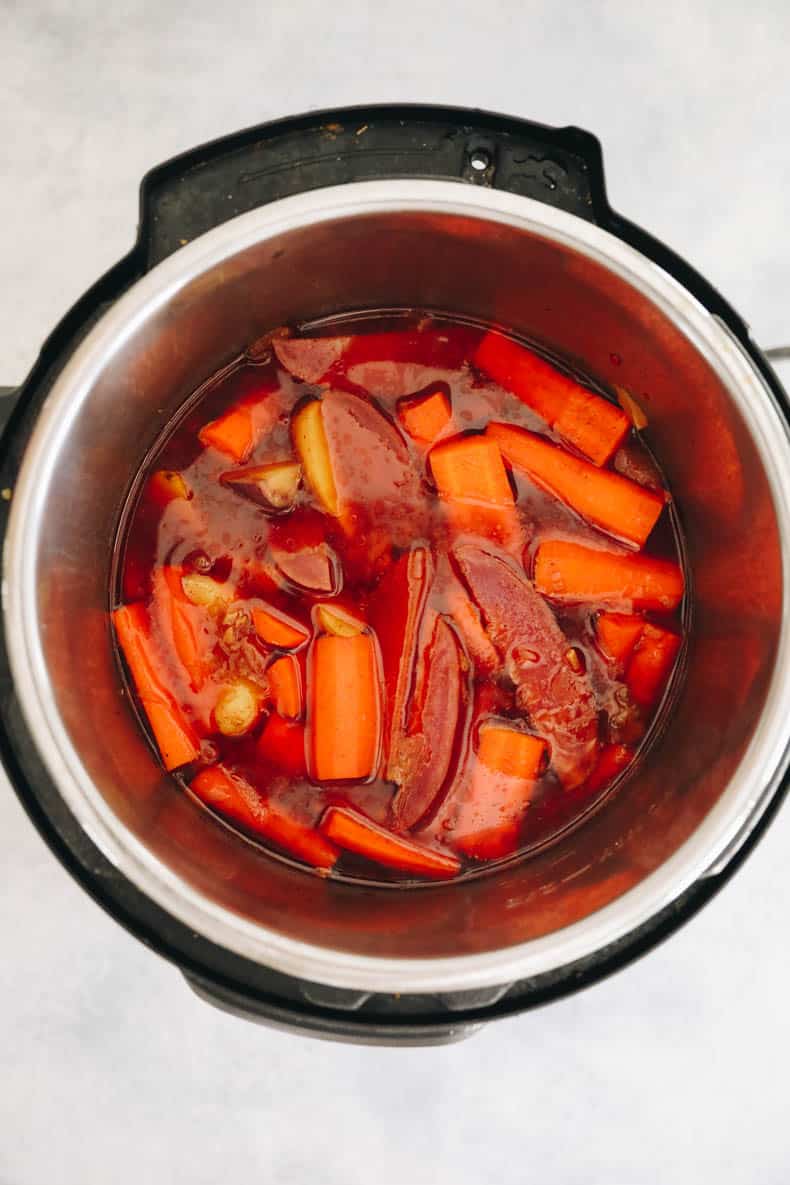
point(192, 193)
point(7, 403)
point(561, 167)
point(335, 1020)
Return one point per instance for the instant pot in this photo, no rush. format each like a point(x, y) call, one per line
point(390, 207)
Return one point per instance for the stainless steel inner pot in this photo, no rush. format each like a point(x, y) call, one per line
point(467, 250)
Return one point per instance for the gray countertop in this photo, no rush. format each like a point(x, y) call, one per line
point(111, 1069)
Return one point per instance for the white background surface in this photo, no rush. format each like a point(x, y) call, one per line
point(110, 1070)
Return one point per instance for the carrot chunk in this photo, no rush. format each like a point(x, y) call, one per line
point(175, 737)
point(617, 634)
point(345, 708)
point(607, 499)
point(278, 629)
point(232, 434)
point(612, 760)
point(235, 798)
point(425, 416)
point(651, 664)
point(490, 842)
point(591, 424)
point(470, 468)
point(568, 571)
point(508, 751)
point(350, 830)
point(177, 619)
point(237, 431)
point(166, 485)
point(471, 479)
point(282, 744)
point(285, 686)
point(488, 824)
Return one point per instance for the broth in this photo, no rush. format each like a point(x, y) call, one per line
point(399, 596)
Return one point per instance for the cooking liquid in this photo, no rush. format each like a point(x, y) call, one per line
point(223, 533)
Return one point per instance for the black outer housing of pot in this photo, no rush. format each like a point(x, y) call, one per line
point(179, 201)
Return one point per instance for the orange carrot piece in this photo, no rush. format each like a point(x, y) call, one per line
point(282, 744)
point(351, 830)
point(610, 501)
point(285, 686)
point(651, 664)
point(232, 434)
point(488, 823)
point(617, 635)
point(175, 737)
point(235, 798)
point(425, 416)
point(508, 751)
point(612, 760)
point(166, 485)
point(591, 424)
point(470, 468)
point(238, 430)
point(345, 707)
point(569, 571)
point(278, 629)
point(508, 762)
point(491, 841)
point(472, 481)
point(177, 617)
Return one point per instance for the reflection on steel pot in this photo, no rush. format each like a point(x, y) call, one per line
point(254, 934)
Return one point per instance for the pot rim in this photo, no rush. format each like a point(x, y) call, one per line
point(705, 852)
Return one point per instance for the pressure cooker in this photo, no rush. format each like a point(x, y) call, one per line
point(475, 215)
